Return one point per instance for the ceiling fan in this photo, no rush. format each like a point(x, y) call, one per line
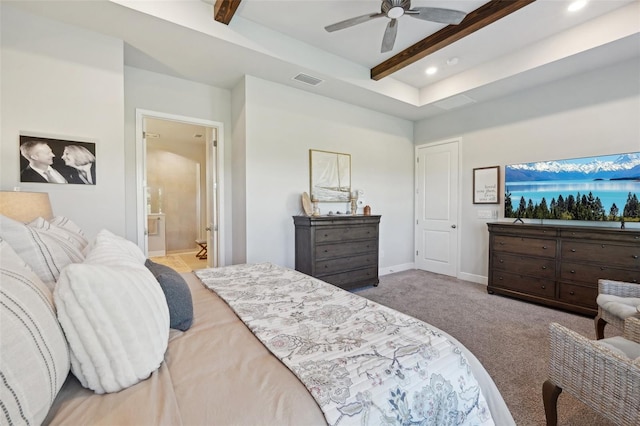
point(394, 9)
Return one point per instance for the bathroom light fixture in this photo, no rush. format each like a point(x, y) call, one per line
point(431, 70)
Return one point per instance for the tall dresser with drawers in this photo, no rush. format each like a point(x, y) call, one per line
point(560, 266)
point(341, 250)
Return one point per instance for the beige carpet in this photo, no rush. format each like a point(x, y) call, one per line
point(509, 337)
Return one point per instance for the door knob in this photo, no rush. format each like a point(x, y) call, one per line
point(208, 228)
point(454, 226)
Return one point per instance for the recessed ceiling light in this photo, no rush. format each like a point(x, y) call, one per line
point(577, 5)
point(431, 70)
point(452, 61)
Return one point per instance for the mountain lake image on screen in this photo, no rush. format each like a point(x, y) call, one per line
point(602, 188)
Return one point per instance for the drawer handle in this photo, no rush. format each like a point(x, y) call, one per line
point(572, 293)
point(544, 247)
point(501, 243)
point(603, 268)
point(572, 271)
point(543, 287)
point(573, 250)
point(326, 235)
point(635, 256)
point(634, 281)
point(602, 245)
point(500, 278)
point(544, 267)
point(501, 260)
point(326, 250)
point(326, 266)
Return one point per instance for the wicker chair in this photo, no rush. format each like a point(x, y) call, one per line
point(595, 372)
point(616, 319)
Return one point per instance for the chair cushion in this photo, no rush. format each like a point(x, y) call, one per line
point(620, 307)
point(621, 346)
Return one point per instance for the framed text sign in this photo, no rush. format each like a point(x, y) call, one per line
point(485, 185)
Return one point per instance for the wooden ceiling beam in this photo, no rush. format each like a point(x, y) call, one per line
point(223, 10)
point(475, 20)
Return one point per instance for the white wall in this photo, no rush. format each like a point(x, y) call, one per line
point(239, 172)
point(67, 83)
point(170, 95)
point(282, 124)
point(595, 113)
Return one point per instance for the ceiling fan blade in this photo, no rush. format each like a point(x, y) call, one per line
point(352, 21)
point(389, 38)
point(436, 14)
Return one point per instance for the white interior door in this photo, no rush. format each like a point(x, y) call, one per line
point(214, 181)
point(437, 208)
point(212, 197)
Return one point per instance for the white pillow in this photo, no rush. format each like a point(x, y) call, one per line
point(65, 228)
point(115, 318)
point(111, 249)
point(46, 252)
point(34, 358)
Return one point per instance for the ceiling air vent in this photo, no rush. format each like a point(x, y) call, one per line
point(454, 102)
point(307, 79)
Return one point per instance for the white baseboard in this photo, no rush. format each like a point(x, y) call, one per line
point(407, 266)
point(157, 253)
point(397, 268)
point(473, 278)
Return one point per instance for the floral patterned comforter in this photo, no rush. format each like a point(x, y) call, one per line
point(363, 362)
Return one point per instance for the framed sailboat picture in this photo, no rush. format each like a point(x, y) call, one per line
point(330, 175)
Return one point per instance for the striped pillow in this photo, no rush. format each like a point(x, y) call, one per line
point(34, 358)
point(64, 229)
point(43, 250)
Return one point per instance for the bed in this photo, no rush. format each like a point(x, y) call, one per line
point(265, 345)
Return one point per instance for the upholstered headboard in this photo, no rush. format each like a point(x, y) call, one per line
point(25, 206)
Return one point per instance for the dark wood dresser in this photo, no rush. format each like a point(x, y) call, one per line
point(341, 250)
point(560, 266)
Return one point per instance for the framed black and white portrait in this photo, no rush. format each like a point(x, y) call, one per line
point(58, 161)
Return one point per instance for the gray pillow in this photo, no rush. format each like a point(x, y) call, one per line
point(176, 291)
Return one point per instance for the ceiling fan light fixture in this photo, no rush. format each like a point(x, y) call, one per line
point(395, 12)
point(394, 9)
point(577, 5)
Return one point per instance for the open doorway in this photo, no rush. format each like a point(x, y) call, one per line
point(179, 189)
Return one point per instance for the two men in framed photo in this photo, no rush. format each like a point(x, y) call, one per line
point(46, 160)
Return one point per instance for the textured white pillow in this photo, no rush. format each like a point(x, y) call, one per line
point(115, 318)
point(34, 358)
point(46, 252)
point(111, 249)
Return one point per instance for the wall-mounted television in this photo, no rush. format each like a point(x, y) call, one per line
point(603, 188)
